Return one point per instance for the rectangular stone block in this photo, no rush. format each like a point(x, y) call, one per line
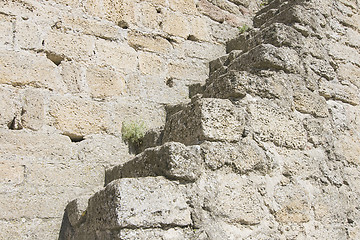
point(116, 55)
point(150, 43)
point(151, 64)
point(77, 117)
point(191, 70)
point(23, 68)
point(104, 82)
point(73, 76)
point(33, 116)
point(27, 143)
point(185, 6)
point(205, 119)
point(28, 35)
point(172, 160)
point(74, 47)
point(10, 105)
point(269, 123)
point(6, 29)
point(176, 25)
point(333, 90)
point(138, 202)
point(11, 173)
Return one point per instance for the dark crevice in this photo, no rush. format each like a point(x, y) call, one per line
point(74, 138)
point(55, 58)
point(123, 24)
point(192, 38)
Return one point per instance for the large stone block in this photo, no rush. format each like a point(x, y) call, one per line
point(349, 72)
point(10, 106)
point(33, 110)
point(176, 24)
point(347, 148)
point(191, 70)
point(28, 143)
point(306, 101)
point(151, 64)
point(200, 29)
point(205, 119)
point(72, 74)
point(334, 90)
point(28, 35)
point(271, 123)
point(244, 157)
point(138, 202)
point(68, 45)
point(77, 117)
point(11, 173)
point(149, 16)
point(116, 55)
point(23, 68)
point(172, 160)
point(150, 43)
point(6, 29)
point(104, 82)
point(186, 6)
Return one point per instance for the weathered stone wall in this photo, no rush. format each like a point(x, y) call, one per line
point(268, 147)
point(72, 71)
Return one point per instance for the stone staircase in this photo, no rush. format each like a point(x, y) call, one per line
point(254, 155)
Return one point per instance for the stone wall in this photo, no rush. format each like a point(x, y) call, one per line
point(268, 147)
point(72, 71)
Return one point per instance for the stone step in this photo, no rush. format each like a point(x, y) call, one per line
point(173, 160)
point(205, 119)
point(129, 204)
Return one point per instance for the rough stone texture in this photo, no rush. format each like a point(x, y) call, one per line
point(71, 72)
point(269, 144)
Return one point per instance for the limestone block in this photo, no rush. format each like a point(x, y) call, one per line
point(186, 6)
point(101, 29)
point(266, 56)
point(306, 101)
point(35, 202)
point(349, 72)
point(205, 119)
point(72, 3)
point(104, 82)
point(118, 56)
point(34, 228)
point(10, 106)
point(244, 157)
point(151, 64)
point(68, 45)
point(33, 116)
point(28, 35)
point(293, 204)
point(154, 234)
point(232, 199)
point(200, 29)
point(176, 25)
point(72, 74)
point(22, 68)
point(150, 16)
point(212, 11)
point(191, 70)
point(228, 6)
point(347, 148)
point(120, 12)
point(140, 202)
point(203, 50)
point(150, 43)
point(6, 29)
point(271, 123)
point(172, 160)
point(333, 90)
point(76, 210)
point(28, 143)
point(11, 173)
point(342, 52)
point(77, 117)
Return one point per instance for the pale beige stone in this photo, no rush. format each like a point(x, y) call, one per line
point(151, 64)
point(200, 29)
point(69, 45)
point(306, 101)
point(349, 72)
point(151, 43)
point(77, 117)
point(185, 6)
point(190, 70)
point(149, 16)
point(6, 29)
point(34, 144)
point(334, 90)
point(102, 29)
point(104, 82)
point(11, 172)
point(176, 24)
point(347, 147)
point(10, 106)
point(33, 112)
point(72, 74)
point(23, 68)
point(28, 35)
point(116, 55)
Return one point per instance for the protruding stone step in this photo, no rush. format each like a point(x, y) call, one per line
point(134, 203)
point(173, 160)
point(205, 119)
